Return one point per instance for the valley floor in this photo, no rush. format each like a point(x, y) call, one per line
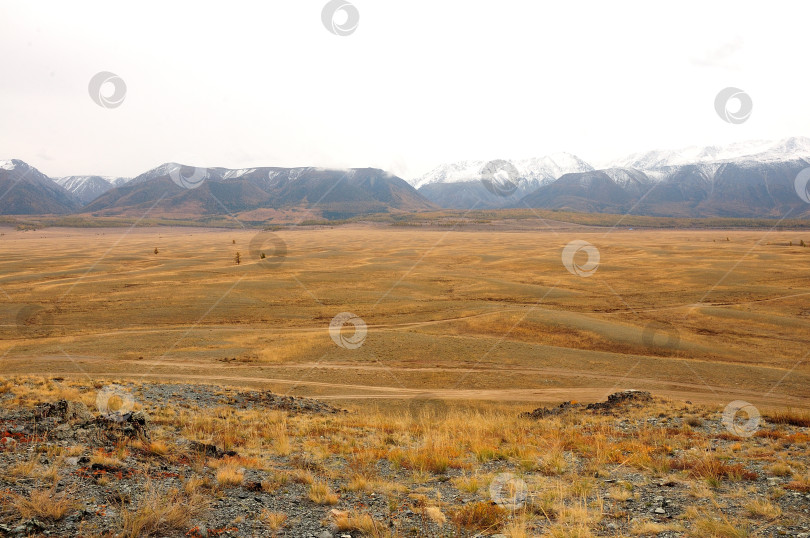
point(153, 385)
point(485, 315)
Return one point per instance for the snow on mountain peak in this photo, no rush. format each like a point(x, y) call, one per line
point(14, 164)
point(535, 170)
point(760, 150)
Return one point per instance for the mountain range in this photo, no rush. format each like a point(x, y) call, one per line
point(749, 179)
point(175, 190)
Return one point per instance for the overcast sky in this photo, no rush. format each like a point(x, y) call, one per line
point(418, 83)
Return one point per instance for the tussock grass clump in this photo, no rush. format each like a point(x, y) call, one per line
point(275, 521)
point(40, 503)
point(763, 509)
point(229, 476)
point(799, 483)
point(364, 523)
point(161, 513)
point(710, 467)
point(709, 527)
point(467, 483)
point(480, 516)
point(320, 493)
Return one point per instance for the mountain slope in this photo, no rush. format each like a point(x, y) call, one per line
point(24, 190)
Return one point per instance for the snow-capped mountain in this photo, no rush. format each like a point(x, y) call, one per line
point(533, 170)
point(88, 188)
point(461, 184)
point(758, 150)
point(27, 191)
point(744, 180)
point(175, 189)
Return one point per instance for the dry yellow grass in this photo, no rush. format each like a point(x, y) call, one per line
point(275, 521)
point(43, 503)
point(566, 492)
point(229, 476)
point(763, 509)
point(159, 513)
point(490, 324)
point(505, 297)
point(320, 493)
point(364, 523)
point(436, 515)
point(710, 527)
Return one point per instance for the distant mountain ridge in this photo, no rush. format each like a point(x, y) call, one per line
point(744, 189)
point(211, 191)
point(169, 190)
point(757, 150)
point(747, 179)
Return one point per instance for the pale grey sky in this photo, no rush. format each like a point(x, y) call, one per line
point(418, 83)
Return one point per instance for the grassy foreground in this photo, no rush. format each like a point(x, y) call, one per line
point(213, 462)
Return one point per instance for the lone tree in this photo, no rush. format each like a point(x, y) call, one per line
point(237, 258)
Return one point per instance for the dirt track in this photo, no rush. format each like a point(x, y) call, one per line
point(681, 391)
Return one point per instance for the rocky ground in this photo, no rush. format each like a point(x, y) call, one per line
point(195, 460)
